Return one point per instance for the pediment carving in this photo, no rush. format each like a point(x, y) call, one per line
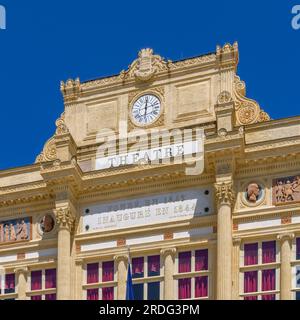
point(247, 110)
point(145, 66)
point(49, 152)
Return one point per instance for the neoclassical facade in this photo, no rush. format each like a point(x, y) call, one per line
point(101, 194)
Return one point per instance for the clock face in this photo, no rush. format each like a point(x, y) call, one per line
point(146, 110)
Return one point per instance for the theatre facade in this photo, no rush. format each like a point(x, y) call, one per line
point(170, 166)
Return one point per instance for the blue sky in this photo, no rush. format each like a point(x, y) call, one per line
point(48, 41)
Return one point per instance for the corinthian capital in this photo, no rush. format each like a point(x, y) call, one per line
point(64, 218)
point(224, 193)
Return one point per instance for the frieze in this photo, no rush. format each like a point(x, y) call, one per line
point(286, 190)
point(16, 230)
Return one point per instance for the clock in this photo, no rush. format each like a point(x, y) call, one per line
point(146, 110)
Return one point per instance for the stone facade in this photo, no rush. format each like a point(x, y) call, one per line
point(75, 215)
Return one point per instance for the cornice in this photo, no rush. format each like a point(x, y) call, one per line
point(266, 166)
point(269, 213)
point(164, 69)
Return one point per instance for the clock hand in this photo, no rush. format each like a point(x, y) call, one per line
point(146, 107)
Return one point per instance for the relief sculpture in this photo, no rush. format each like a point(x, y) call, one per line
point(286, 190)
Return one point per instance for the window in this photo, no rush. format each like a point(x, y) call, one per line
point(260, 271)
point(146, 277)
point(8, 286)
point(193, 274)
point(100, 281)
point(138, 291)
point(296, 270)
point(298, 249)
point(153, 290)
point(251, 254)
point(10, 283)
point(138, 267)
point(43, 284)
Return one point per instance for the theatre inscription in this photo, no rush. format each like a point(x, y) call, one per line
point(148, 210)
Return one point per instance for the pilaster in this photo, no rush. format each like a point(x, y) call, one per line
point(122, 262)
point(285, 269)
point(21, 276)
point(168, 256)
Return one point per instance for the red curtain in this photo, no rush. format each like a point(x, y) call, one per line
point(185, 262)
point(250, 254)
point(201, 287)
point(184, 288)
point(269, 252)
point(50, 276)
point(250, 281)
point(269, 297)
point(268, 283)
point(10, 283)
point(138, 267)
point(36, 298)
point(107, 271)
point(36, 280)
point(108, 294)
point(50, 296)
point(93, 273)
point(92, 294)
point(153, 265)
point(251, 298)
point(201, 260)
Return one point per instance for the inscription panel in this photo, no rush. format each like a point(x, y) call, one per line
point(148, 210)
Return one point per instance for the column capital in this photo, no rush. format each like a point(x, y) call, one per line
point(285, 236)
point(168, 251)
point(79, 262)
point(20, 270)
point(64, 218)
point(224, 193)
point(121, 257)
point(236, 241)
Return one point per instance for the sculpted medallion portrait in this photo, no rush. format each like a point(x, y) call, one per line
point(47, 223)
point(254, 194)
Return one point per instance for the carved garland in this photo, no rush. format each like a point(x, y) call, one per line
point(224, 193)
point(64, 218)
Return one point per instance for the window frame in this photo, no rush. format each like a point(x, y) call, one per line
point(259, 267)
point(100, 284)
point(194, 274)
point(148, 279)
point(43, 291)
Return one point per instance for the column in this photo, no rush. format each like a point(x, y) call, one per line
point(122, 262)
point(224, 199)
point(65, 221)
point(168, 256)
point(236, 269)
point(78, 280)
point(285, 268)
point(21, 278)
